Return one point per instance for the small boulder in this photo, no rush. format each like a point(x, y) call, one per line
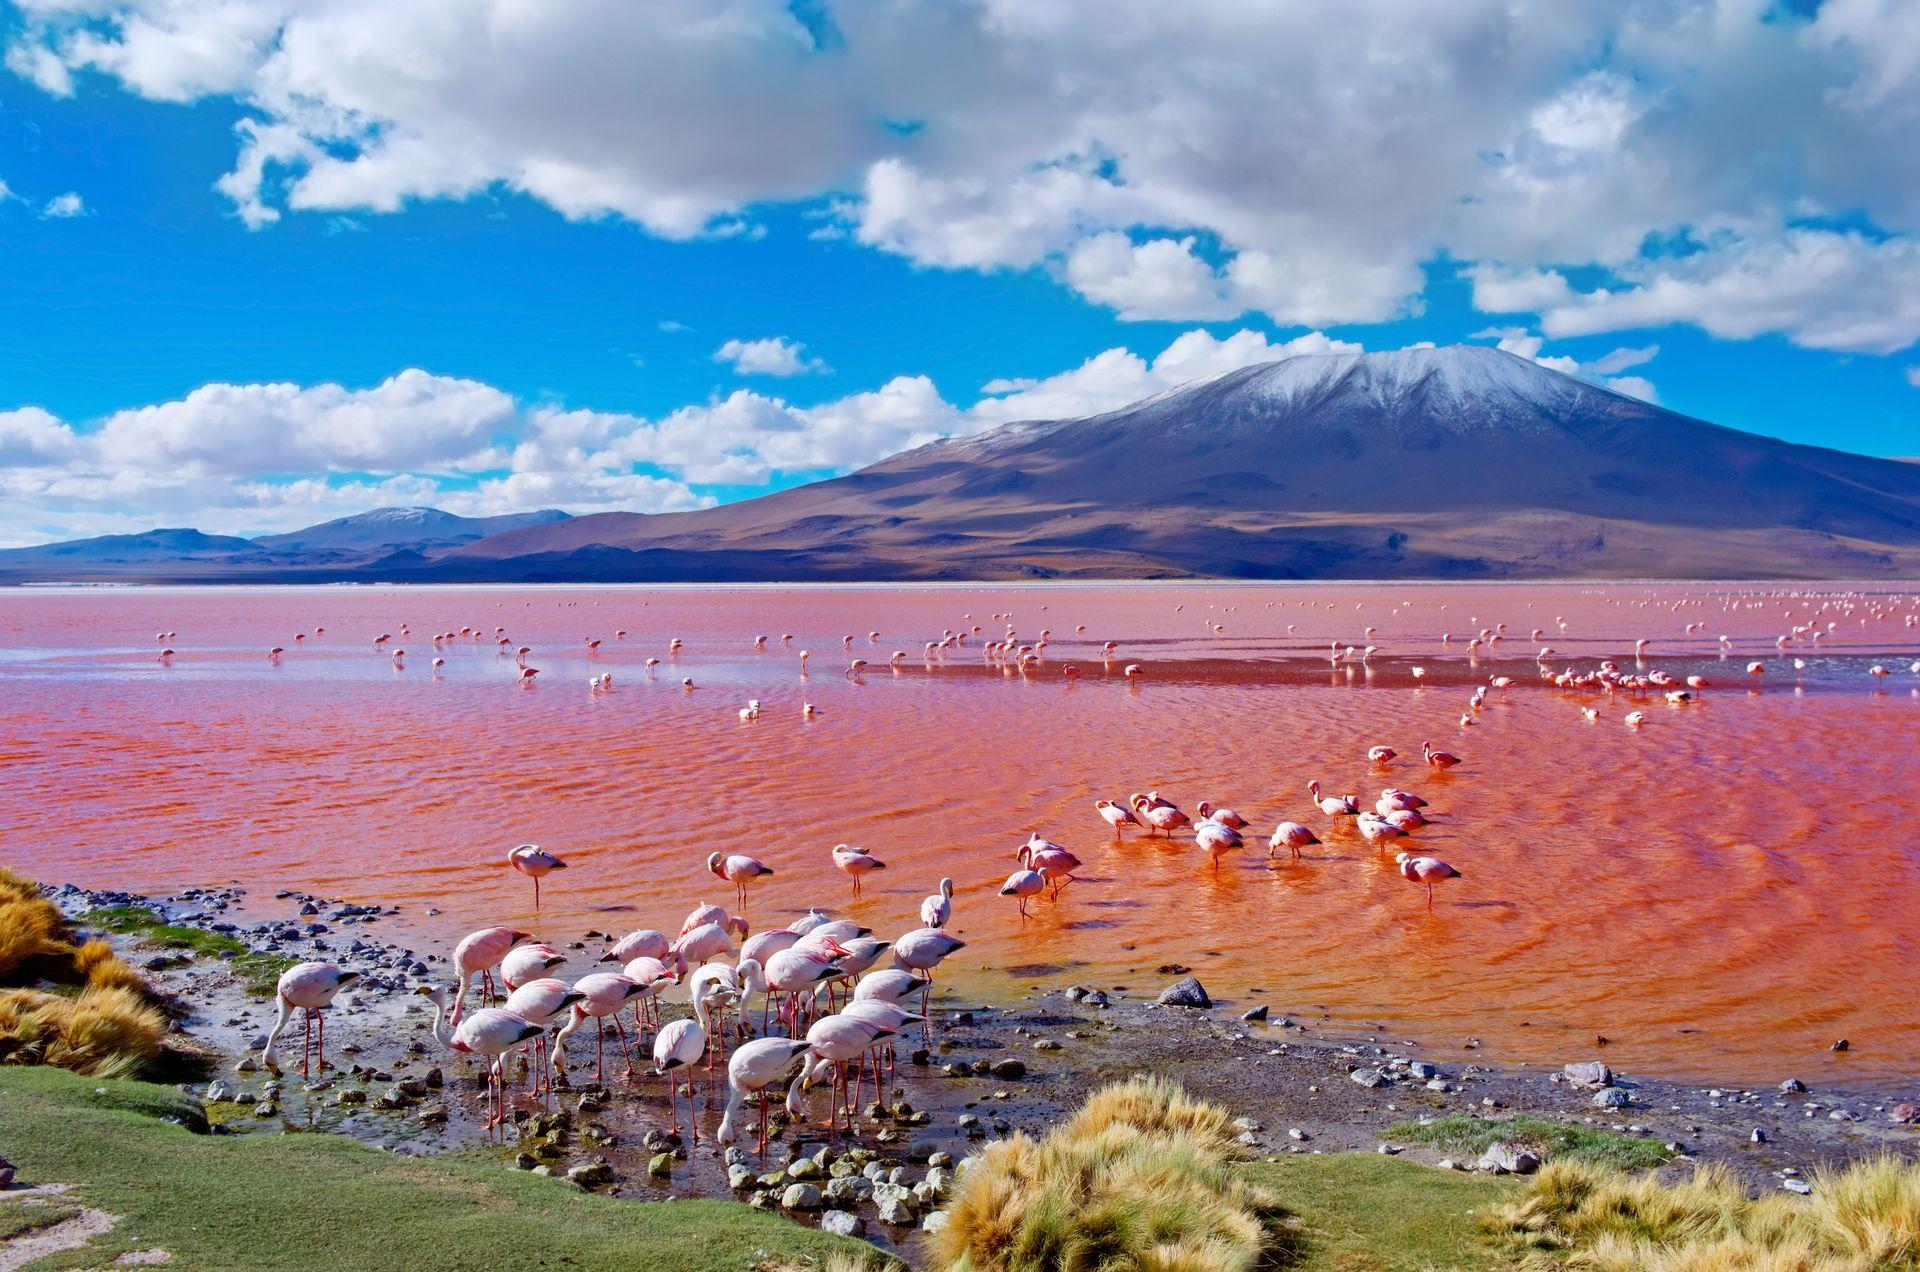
point(1611, 1098)
point(1255, 1013)
point(842, 1223)
point(1589, 1073)
point(800, 1197)
point(1503, 1158)
point(1371, 1078)
point(1185, 993)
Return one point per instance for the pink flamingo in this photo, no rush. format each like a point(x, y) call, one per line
point(1333, 805)
point(653, 975)
point(794, 972)
point(1438, 759)
point(739, 871)
point(1426, 871)
point(1377, 830)
point(646, 941)
point(1115, 815)
point(534, 862)
point(855, 862)
point(310, 987)
point(921, 950)
point(543, 1002)
point(1054, 863)
point(1214, 838)
point(762, 946)
point(1225, 816)
point(836, 1040)
point(680, 1045)
point(605, 994)
point(936, 910)
point(477, 954)
point(755, 1066)
point(1159, 814)
point(489, 1032)
point(1022, 884)
point(1381, 754)
point(524, 963)
point(1292, 836)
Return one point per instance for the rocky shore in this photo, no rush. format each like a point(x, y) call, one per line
point(983, 1071)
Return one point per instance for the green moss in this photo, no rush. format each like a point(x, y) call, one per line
point(1361, 1212)
point(260, 973)
point(314, 1200)
point(1461, 1133)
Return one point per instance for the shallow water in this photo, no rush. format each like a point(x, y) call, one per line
point(1721, 893)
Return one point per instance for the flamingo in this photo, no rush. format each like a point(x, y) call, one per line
point(795, 971)
point(1401, 799)
point(1332, 805)
point(1215, 838)
point(1442, 760)
point(679, 1045)
point(491, 1032)
point(1381, 754)
point(1054, 863)
point(604, 994)
point(310, 987)
point(1159, 814)
point(739, 871)
point(634, 944)
point(1426, 871)
point(855, 862)
point(543, 1002)
point(755, 1066)
point(1115, 815)
point(654, 975)
point(477, 954)
point(762, 946)
point(1377, 830)
point(922, 950)
point(883, 1014)
point(706, 913)
point(700, 944)
point(524, 963)
point(1022, 884)
point(936, 910)
point(1292, 836)
point(1225, 816)
point(836, 1040)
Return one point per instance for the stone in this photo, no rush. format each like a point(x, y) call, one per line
point(1589, 1073)
point(935, 1221)
point(1611, 1098)
point(661, 1165)
point(1009, 1070)
point(1505, 1159)
point(842, 1223)
point(938, 1181)
point(1422, 1070)
point(591, 1174)
point(803, 1169)
point(1388, 1150)
point(1793, 1086)
point(800, 1197)
point(1759, 1136)
point(1255, 1013)
point(1046, 1044)
point(1185, 993)
point(894, 1204)
point(1800, 1186)
point(1371, 1078)
point(739, 1177)
point(217, 1091)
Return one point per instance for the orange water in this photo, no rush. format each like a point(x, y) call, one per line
point(1722, 893)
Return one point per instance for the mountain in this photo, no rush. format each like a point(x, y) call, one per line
point(395, 529)
point(1461, 462)
point(409, 537)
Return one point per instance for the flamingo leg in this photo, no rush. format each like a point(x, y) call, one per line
point(320, 1027)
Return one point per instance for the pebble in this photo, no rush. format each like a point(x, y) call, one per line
point(800, 1197)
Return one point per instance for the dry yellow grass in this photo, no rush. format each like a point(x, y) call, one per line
point(103, 1033)
point(1864, 1218)
point(1140, 1178)
point(108, 1030)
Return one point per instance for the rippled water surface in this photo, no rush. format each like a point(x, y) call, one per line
point(1721, 893)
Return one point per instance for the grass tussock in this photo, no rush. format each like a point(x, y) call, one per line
point(108, 1028)
point(1572, 1215)
point(259, 973)
point(1463, 1133)
point(106, 1033)
point(1140, 1178)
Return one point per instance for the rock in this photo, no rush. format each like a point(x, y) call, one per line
point(1295, 1133)
point(842, 1223)
point(1905, 1112)
point(1505, 1159)
point(803, 1169)
point(1423, 1070)
point(934, 1222)
point(1388, 1150)
point(265, 1108)
point(1046, 1044)
point(894, 1204)
point(938, 1181)
point(1255, 1013)
point(1793, 1086)
point(848, 1191)
point(1759, 1136)
point(1010, 1069)
point(739, 1177)
point(591, 1174)
point(1185, 993)
point(1800, 1186)
point(800, 1197)
point(1370, 1078)
point(1839, 1045)
point(1246, 1124)
point(217, 1091)
point(1589, 1073)
point(1611, 1098)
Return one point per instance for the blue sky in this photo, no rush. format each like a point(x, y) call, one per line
point(905, 248)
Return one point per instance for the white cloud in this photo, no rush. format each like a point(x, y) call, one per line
point(1603, 371)
point(249, 458)
point(773, 355)
point(1191, 161)
point(65, 205)
point(1913, 376)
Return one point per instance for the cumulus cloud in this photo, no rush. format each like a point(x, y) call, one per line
point(773, 355)
point(61, 206)
point(1604, 370)
point(249, 458)
point(1191, 162)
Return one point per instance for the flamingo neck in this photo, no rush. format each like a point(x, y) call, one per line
point(442, 1033)
point(283, 1014)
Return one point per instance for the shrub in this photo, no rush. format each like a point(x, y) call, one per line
point(103, 1033)
point(1139, 1178)
point(1865, 1216)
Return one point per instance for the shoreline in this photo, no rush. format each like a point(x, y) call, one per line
point(1297, 1089)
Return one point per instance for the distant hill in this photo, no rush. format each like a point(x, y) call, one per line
point(393, 529)
point(1461, 462)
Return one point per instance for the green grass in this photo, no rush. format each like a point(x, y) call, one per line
point(1361, 1212)
point(18, 1217)
point(311, 1200)
point(260, 973)
point(1464, 1134)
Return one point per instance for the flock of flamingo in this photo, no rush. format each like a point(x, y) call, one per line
point(827, 1006)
